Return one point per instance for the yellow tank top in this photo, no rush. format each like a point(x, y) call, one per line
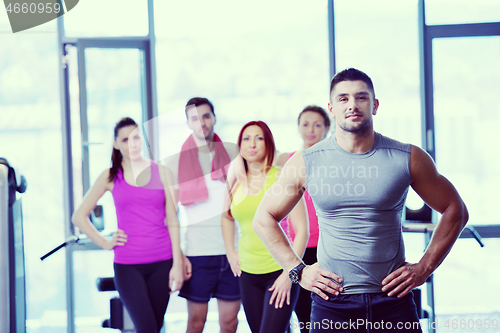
point(254, 256)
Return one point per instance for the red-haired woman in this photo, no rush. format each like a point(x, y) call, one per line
point(267, 293)
point(147, 253)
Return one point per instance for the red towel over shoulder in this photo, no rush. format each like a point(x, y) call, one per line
point(192, 187)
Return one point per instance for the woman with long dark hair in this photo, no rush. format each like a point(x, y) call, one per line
point(314, 124)
point(267, 293)
point(147, 254)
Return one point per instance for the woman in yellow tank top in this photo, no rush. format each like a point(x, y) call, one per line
point(267, 293)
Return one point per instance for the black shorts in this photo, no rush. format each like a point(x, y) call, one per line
point(211, 277)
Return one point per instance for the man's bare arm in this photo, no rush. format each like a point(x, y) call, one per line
point(276, 204)
point(300, 223)
point(278, 201)
point(440, 195)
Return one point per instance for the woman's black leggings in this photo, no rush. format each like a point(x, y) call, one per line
point(255, 296)
point(144, 291)
point(303, 307)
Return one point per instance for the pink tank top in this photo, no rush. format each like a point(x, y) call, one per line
point(141, 215)
point(313, 221)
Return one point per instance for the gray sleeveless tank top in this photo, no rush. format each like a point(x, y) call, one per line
point(359, 199)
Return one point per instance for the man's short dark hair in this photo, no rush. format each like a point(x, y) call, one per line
point(197, 101)
point(352, 74)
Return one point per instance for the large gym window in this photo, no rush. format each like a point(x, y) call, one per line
point(30, 139)
point(255, 60)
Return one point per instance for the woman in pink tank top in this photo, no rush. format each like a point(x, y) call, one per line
point(147, 253)
point(314, 124)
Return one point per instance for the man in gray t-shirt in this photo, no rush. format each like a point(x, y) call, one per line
point(358, 180)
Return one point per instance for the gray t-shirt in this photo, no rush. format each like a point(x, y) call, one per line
point(359, 199)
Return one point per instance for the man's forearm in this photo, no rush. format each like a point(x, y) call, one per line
point(448, 230)
point(269, 231)
point(300, 224)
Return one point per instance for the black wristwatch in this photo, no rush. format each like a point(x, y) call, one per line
point(296, 272)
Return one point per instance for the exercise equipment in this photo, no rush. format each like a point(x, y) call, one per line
point(12, 274)
point(421, 221)
point(118, 315)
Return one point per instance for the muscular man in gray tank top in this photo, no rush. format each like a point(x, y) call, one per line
point(358, 180)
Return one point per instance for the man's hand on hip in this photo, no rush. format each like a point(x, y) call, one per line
point(404, 279)
point(318, 280)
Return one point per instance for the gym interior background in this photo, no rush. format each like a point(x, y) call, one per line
point(63, 85)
